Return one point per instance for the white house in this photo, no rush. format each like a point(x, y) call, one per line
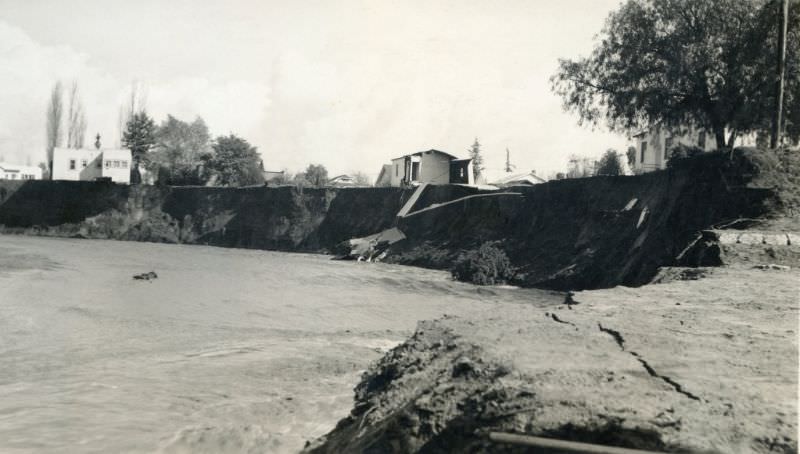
point(653, 145)
point(84, 164)
point(431, 166)
point(18, 172)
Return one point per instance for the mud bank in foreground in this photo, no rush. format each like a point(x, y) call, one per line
point(705, 365)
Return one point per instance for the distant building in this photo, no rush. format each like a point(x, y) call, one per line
point(19, 172)
point(654, 145)
point(431, 166)
point(519, 179)
point(83, 164)
point(342, 181)
point(272, 177)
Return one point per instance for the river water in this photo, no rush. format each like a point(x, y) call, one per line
point(228, 350)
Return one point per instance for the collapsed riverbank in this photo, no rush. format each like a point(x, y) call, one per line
point(706, 365)
point(570, 234)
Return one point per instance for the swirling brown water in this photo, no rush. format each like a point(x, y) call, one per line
point(228, 350)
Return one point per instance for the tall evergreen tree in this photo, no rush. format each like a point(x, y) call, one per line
point(477, 159)
point(139, 137)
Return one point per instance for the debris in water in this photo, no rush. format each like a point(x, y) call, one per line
point(146, 276)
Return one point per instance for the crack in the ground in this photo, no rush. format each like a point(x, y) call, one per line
point(559, 320)
point(652, 372)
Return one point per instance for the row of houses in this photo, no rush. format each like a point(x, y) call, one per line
point(652, 146)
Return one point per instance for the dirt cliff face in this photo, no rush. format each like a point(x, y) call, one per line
point(288, 218)
point(604, 231)
point(569, 234)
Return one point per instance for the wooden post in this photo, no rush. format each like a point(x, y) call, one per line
point(776, 126)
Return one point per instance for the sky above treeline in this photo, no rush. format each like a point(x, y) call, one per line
point(348, 84)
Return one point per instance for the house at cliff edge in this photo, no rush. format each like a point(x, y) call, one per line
point(84, 164)
point(431, 166)
point(654, 145)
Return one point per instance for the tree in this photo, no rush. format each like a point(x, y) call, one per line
point(316, 175)
point(54, 112)
point(362, 179)
point(477, 159)
point(177, 151)
point(631, 156)
point(137, 102)
point(76, 119)
point(708, 63)
point(45, 171)
point(580, 167)
point(234, 162)
point(139, 137)
point(610, 163)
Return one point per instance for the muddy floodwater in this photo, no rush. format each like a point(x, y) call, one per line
point(228, 350)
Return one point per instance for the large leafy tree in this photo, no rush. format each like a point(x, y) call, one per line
point(710, 63)
point(178, 149)
point(316, 175)
point(234, 162)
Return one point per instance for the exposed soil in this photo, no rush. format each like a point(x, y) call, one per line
point(704, 365)
point(569, 234)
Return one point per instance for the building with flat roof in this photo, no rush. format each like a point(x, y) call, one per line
point(85, 164)
point(19, 172)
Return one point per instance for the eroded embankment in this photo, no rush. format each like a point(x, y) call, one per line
point(604, 231)
point(569, 234)
point(287, 218)
point(690, 366)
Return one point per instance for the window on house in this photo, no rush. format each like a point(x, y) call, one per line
point(701, 139)
point(71, 164)
point(83, 163)
point(644, 150)
point(108, 164)
point(461, 172)
point(116, 164)
point(124, 164)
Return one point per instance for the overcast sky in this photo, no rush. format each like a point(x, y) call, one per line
point(345, 83)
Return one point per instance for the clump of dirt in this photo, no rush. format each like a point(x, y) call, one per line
point(440, 393)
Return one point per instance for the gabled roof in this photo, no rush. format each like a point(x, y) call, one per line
point(432, 150)
point(522, 178)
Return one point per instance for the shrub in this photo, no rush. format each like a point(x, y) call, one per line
point(488, 265)
point(682, 151)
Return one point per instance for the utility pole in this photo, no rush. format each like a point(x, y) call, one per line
point(776, 126)
point(509, 166)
